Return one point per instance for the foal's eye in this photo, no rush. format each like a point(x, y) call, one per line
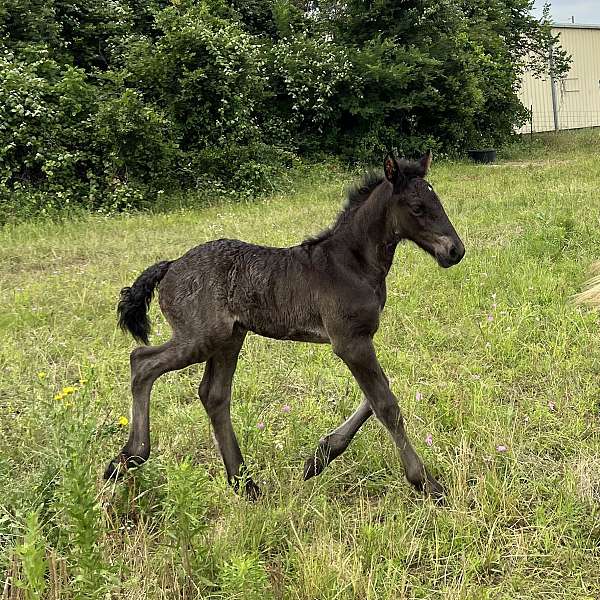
point(418, 210)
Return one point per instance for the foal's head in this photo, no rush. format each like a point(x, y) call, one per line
point(417, 213)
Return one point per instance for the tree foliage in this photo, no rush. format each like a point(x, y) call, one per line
point(102, 102)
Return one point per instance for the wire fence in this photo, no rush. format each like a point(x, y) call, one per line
point(566, 119)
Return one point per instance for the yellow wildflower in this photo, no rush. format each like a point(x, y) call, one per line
point(68, 390)
point(58, 396)
point(123, 421)
point(42, 374)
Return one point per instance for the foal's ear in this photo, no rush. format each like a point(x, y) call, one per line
point(391, 169)
point(425, 162)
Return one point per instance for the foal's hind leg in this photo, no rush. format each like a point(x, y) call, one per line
point(215, 394)
point(147, 364)
point(336, 442)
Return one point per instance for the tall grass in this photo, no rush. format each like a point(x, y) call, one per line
point(491, 360)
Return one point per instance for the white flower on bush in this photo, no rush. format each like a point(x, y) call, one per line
point(311, 69)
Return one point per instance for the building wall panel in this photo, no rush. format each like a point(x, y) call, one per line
point(578, 94)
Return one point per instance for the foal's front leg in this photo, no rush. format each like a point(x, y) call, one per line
point(359, 355)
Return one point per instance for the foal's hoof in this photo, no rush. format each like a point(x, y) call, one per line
point(252, 491)
point(437, 492)
point(316, 464)
point(433, 489)
point(245, 486)
point(426, 483)
point(313, 466)
point(117, 467)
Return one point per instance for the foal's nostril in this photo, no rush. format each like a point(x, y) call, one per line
point(457, 251)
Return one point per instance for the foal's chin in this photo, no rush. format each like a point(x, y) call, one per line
point(447, 260)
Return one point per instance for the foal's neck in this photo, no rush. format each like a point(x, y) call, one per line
point(369, 235)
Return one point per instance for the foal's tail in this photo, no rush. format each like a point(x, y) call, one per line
point(135, 300)
point(591, 293)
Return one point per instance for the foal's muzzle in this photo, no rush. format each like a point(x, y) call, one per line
point(453, 253)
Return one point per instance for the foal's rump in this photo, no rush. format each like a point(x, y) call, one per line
point(192, 289)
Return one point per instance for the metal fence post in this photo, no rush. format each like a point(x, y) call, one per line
point(554, 98)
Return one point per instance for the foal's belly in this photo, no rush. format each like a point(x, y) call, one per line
point(301, 336)
point(316, 335)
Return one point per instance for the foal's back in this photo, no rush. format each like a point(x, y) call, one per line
point(270, 291)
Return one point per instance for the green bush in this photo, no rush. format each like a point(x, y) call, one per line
point(46, 122)
point(133, 134)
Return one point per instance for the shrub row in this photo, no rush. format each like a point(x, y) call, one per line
point(102, 104)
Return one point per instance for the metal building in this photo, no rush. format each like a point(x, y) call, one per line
point(577, 96)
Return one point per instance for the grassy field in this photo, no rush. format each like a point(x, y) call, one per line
point(490, 360)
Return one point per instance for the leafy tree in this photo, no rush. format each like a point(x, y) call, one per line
point(446, 70)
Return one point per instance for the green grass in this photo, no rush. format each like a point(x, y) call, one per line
point(518, 524)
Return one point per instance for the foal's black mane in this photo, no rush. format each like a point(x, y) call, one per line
point(356, 194)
